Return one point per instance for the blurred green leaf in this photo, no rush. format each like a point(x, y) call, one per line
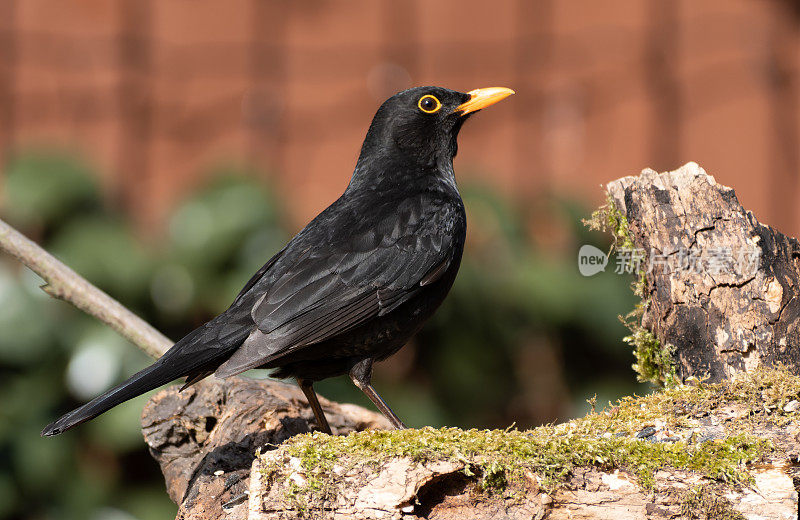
point(103, 251)
point(118, 429)
point(209, 228)
point(8, 495)
point(149, 502)
point(42, 186)
point(25, 336)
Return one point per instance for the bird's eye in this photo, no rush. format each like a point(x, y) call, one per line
point(429, 104)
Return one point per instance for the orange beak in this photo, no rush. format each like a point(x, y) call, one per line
point(482, 98)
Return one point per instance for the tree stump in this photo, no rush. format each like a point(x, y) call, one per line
point(721, 288)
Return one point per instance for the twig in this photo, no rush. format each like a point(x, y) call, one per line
point(67, 285)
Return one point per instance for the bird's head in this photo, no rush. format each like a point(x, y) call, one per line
point(421, 124)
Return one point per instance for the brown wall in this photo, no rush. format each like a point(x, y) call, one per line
point(156, 92)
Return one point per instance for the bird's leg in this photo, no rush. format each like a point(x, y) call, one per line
point(361, 375)
point(308, 388)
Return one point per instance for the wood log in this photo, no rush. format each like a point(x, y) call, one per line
point(723, 445)
point(240, 450)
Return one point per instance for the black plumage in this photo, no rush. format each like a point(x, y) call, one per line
point(357, 282)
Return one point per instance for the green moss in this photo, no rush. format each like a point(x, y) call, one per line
point(499, 459)
point(706, 503)
point(609, 218)
point(654, 361)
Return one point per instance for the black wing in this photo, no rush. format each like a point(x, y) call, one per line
point(327, 291)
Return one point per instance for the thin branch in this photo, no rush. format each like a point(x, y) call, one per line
point(67, 285)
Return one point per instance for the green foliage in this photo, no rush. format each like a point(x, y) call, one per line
point(55, 200)
point(104, 250)
point(43, 186)
point(219, 238)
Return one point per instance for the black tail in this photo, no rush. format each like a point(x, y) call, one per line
point(157, 374)
point(196, 355)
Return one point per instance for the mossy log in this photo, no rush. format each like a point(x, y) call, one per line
point(720, 290)
point(242, 449)
point(725, 445)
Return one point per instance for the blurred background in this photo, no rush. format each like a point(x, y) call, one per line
point(165, 150)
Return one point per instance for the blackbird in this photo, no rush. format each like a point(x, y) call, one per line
point(357, 282)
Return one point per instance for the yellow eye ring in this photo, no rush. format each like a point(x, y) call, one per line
point(429, 104)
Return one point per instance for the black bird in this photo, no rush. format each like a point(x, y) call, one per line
point(357, 282)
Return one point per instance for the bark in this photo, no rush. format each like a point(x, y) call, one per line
point(722, 314)
point(205, 437)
